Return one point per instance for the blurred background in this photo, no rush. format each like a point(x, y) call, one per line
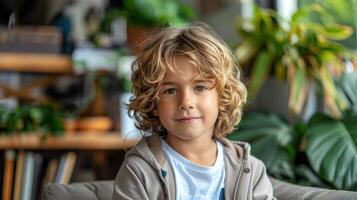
point(64, 84)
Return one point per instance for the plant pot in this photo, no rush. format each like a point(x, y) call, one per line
point(274, 97)
point(95, 124)
point(137, 35)
point(70, 125)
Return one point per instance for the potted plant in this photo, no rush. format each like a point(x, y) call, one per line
point(298, 51)
point(45, 120)
point(337, 9)
point(157, 12)
point(143, 15)
point(320, 153)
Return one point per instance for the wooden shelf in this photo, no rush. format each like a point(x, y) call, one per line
point(36, 62)
point(74, 141)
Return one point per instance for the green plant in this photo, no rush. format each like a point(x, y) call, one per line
point(332, 149)
point(267, 130)
point(337, 9)
point(157, 12)
point(151, 13)
point(302, 52)
point(347, 85)
point(29, 119)
point(322, 152)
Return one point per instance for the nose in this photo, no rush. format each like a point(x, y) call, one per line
point(186, 101)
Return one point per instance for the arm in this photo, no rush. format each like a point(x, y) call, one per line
point(128, 185)
point(262, 187)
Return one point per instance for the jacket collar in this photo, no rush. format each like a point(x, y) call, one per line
point(237, 151)
point(235, 154)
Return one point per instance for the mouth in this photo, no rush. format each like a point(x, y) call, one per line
point(187, 120)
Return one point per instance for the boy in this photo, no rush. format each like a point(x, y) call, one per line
point(187, 95)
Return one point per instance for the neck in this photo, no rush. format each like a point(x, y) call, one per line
point(201, 152)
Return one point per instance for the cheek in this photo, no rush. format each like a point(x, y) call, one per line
point(164, 108)
point(210, 106)
point(211, 101)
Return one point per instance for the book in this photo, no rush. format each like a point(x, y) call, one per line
point(8, 174)
point(38, 158)
point(51, 171)
point(19, 174)
point(26, 187)
point(65, 168)
point(60, 169)
point(69, 167)
point(2, 166)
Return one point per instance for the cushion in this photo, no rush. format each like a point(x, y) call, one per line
point(79, 191)
point(103, 190)
point(284, 190)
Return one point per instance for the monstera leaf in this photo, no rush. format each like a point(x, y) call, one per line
point(270, 138)
point(347, 84)
point(332, 149)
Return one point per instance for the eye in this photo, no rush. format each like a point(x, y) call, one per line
point(170, 91)
point(200, 88)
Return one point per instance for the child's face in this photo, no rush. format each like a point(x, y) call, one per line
point(188, 105)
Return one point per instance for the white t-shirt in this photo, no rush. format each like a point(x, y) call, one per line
point(194, 181)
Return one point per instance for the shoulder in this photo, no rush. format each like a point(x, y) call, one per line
point(134, 177)
point(257, 166)
point(240, 151)
point(139, 157)
point(136, 170)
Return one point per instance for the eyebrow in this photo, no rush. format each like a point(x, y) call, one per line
point(203, 80)
point(168, 83)
point(195, 81)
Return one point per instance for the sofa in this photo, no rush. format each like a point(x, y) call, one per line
point(104, 189)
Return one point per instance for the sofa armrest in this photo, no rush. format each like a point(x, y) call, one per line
point(95, 190)
point(288, 191)
point(103, 190)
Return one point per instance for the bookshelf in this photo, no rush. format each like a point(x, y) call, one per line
point(50, 65)
point(73, 141)
point(29, 162)
point(36, 62)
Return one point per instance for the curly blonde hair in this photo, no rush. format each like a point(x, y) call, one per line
point(202, 47)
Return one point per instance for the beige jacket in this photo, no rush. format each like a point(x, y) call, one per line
point(146, 174)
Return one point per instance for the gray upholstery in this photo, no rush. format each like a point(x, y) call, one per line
point(103, 190)
point(79, 191)
point(285, 191)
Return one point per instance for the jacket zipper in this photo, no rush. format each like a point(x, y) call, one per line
point(163, 185)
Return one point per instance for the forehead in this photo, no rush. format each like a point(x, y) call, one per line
point(184, 69)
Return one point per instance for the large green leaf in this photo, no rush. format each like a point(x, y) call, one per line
point(261, 70)
point(309, 177)
point(298, 89)
point(338, 32)
point(246, 50)
point(270, 138)
point(332, 149)
point(347, 84)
